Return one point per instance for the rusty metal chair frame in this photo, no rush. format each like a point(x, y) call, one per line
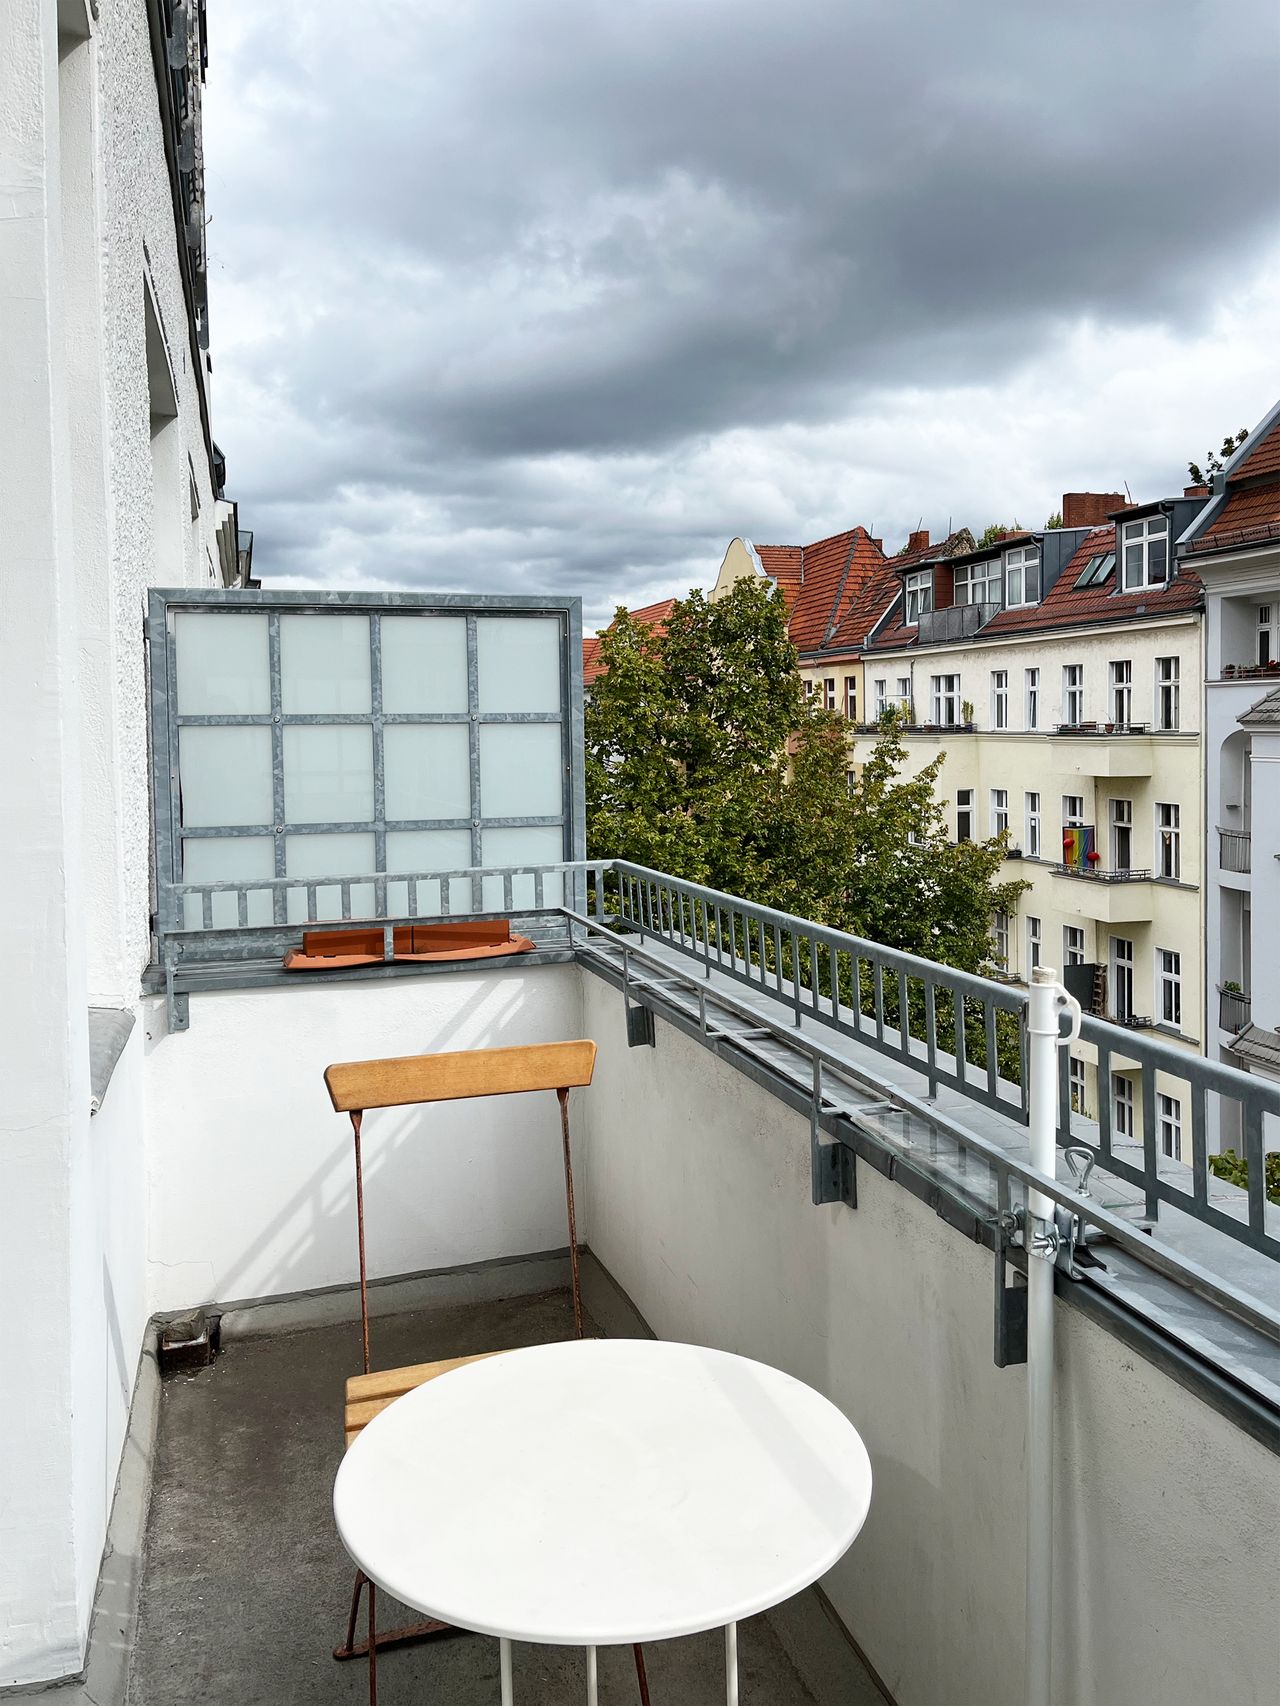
point(354, 1088)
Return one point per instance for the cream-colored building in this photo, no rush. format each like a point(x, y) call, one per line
point(1060, 674)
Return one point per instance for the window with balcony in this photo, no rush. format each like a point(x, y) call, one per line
point(1073, 944)
point(999, 810)
point(1122, 1106)
point(851, 697)
point(1073, 694)
point(829, 693)
point(1072, 810)
point(977, 583)
point(1266, 633)
point(1145, 553)
point(1122, 693)
point(1169, 840)
point(944, 701)
point(1021, 576)
point(1032, 837)
point(1169, 980)
point(1032, 697)
point(964, 814)
point(999, 698)
point(919, 595)
point(1122, 978)
point(1033, 943)
point(1168, 693)
point(1122, 835)
point(1169, 1117)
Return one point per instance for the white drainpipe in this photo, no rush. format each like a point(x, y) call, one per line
point(1047, 1002)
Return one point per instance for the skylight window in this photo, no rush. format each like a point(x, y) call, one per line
point(1097, 569)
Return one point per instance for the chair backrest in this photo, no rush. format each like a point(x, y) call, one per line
point(355, 1086)
point(402, 1080)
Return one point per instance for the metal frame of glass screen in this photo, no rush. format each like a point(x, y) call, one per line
point(166, 722)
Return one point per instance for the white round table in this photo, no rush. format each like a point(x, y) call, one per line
point(603, 1491)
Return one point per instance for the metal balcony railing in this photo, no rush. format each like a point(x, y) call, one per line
point(1096, 874)
point(956, 622)
point(959, 1031)
point(1234, 1006)
point(1235, 849)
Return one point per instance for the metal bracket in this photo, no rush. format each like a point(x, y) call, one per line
point(832, 1164)
point(1010, 1300)
point(177, 1003)
point(640, 1027)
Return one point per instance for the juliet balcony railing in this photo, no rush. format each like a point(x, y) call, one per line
point(1234, 1008)
point(1097, 874)
point(1235, 849)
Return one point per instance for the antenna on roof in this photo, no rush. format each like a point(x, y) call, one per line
point(1127, 492)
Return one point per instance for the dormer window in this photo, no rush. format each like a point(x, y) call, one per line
point(1145, 553)
point(978, 583)
point(919, 595)
point(1021, 576)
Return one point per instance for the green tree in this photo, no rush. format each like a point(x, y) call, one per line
point(705, 759)
point(1213, 462)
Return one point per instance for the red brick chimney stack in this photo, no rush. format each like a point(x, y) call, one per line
point(918, 541)
point(1090, 509)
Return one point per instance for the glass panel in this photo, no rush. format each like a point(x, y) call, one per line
point(329, 856)
point(519, 658)
point(428, 850)
point(427, 767)
point(225, 776)
point(223, 859)
point(520, 770)
point(424, 663)
point(328, 774)
point(324, 664)
point(531, 846)
point(223, 664)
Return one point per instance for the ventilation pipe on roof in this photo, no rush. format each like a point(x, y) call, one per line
point(1048, 1001)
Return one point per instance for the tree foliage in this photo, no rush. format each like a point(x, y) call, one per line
point(704, 759)
point(1215, 460)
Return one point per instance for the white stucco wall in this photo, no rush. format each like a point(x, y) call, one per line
point(697, 1201)
point(88, 229)
point(250, 1176)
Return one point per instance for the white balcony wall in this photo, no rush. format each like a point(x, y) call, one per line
point(251, 1181)
point(698, 1202)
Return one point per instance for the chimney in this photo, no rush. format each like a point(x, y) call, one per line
point(1090, 509)
point(878, 543)
point(1195, 491)
point(918, 541)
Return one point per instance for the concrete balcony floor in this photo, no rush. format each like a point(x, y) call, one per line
point(246, 1586)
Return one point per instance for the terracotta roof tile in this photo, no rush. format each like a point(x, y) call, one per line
point(650, 615)
point(1250, 513)
point(783, 562)
point(1263, 458)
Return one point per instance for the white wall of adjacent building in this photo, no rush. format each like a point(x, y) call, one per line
point(97, 469)
point(697, 1200)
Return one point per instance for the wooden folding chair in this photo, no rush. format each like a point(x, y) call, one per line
point(354, 1088)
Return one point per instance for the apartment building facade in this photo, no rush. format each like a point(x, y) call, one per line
point(1233, 544)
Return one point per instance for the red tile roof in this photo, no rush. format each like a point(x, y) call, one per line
point(654, 616)
point(1250, 514)
point(1262, 458)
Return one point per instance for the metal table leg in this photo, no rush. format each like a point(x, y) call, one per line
point(731, 1664)
point(504, 1666)
point(593, 1697)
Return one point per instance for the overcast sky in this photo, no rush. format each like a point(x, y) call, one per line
point(550, 295)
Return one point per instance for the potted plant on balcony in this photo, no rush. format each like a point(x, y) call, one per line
point(966, 715)
point(1231, 987)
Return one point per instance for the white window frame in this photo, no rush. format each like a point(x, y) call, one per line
point(944, 701)
point(999, 810)
point(978, 583)
point(880, 687)
point(1123, 1107)
point(1266, 649)
point(1169, 1121)
point(829, 693)
point(1168, 694)
point(1169, 987)
point(1035, 942)
point(1000, 939)
point(1076, 1084)
point(1032, 696)
point(1122, 964)
point(1073, 819)
point(1031, 845)
point(999, 698)
point(1168, 861)
point(917, 593)
point(851, 698)
point(964, 811)
point(1072, 694)
point(1122, 692)
point(1137, 539)
point(1020, 569)
point(1120, 819)
point(810, 688)
point(1073, 944)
